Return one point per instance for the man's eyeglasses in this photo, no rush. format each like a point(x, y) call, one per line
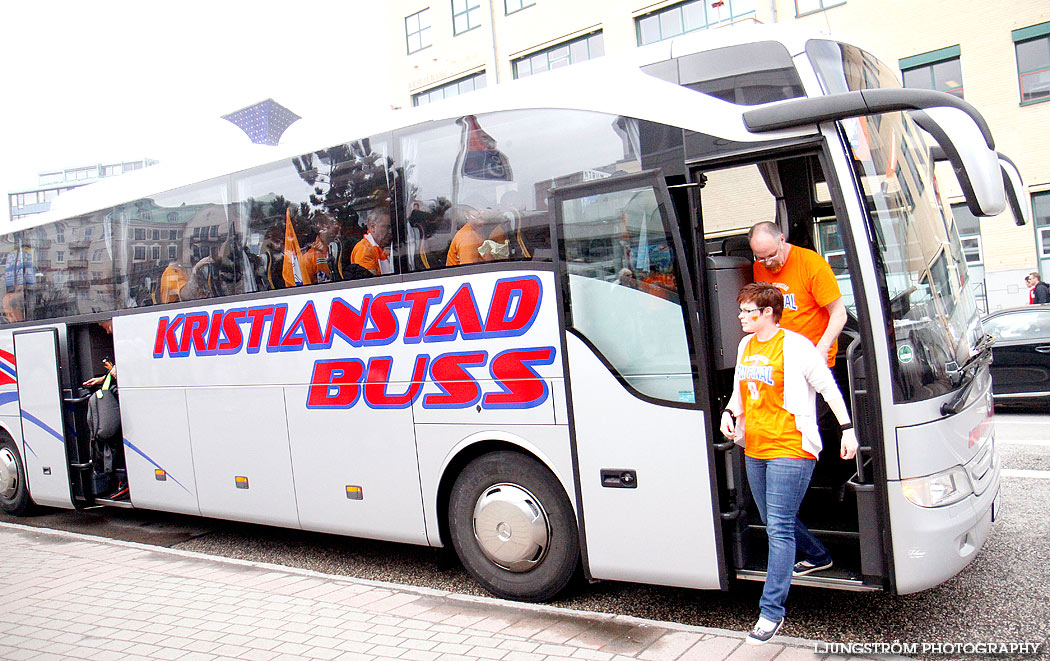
point(751, 312)
point(771, 258)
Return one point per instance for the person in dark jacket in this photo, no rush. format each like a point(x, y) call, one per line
point(1039, 291)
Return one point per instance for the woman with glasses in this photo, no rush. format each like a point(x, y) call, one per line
point(772, 413)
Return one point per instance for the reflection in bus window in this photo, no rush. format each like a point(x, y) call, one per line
point(315, 207)
point(620, 258)
point(57, 277)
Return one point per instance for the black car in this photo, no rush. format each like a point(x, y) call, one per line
point(1021, 354)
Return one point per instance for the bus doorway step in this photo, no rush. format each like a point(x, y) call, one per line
point(822, 581)
point(126, 504)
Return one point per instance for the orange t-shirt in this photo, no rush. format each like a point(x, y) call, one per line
point(769, 429)
point(464, 246)
point(368, 255)
point(172, 281)
point(314, 264)
point(808, 285)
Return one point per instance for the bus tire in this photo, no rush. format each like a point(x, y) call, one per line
point(513, 527)
point(14, 489)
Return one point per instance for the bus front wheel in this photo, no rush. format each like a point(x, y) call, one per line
point(14, 491)
point(513, 527)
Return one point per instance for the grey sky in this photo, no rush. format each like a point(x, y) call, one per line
point(86, 82)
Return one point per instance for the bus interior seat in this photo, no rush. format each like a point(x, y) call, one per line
point(737, 246)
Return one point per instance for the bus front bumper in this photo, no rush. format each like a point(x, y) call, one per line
point(933, 544)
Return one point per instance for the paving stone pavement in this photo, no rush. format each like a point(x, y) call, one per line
point(70, 596)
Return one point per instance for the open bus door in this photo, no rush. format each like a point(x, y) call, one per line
point(639, 413)
point(65, 467)
point(45, 426)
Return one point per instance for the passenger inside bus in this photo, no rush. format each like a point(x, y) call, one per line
point(481, 237)
point(316, 262)
point(373, 252)
point(425, 221)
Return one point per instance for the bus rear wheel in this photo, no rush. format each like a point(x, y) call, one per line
point(513, 527)
point(14, 490)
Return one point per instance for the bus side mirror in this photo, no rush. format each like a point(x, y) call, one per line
point(1015, 191)
point(976, 165)
point(955, 124)
point(1012, 181)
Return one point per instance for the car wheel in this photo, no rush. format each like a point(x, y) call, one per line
point(513, 527)
point(14, 490)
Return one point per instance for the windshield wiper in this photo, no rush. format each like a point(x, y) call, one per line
point(966, 374)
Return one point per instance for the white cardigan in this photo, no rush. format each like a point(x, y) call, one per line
point(805, 374)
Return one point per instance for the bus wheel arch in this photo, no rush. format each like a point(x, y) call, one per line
point(529, 549)
point(14, 485)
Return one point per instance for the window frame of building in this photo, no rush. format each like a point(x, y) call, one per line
point(680, 8)
point(928, 63)
point(521, 4)
point(467, 12)
point(822, 6)
point(444, 87)
point(1041, 226)
point(588, 40)
point(421, 31)
point(1034, 34)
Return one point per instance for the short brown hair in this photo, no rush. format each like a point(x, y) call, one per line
point(1033, 274)
point(764, 295)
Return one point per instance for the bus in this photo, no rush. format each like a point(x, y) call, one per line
point(505, 323)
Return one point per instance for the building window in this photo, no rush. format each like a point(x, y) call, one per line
point(140, 253)
point(171, 252)
point(1041, 216)
point(562, 55)
point(140, 234)
point(511, 6)
point(803, 7)
point(466, 15)
point(455, 88)
point(688, 16)
point(1033, 62)
point(417, 30)
point(938, 70)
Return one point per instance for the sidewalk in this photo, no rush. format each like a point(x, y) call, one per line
point(64, 595)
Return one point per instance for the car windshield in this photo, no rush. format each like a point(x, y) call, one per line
point(934, 318)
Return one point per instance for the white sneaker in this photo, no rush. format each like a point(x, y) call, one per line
point(763, 631)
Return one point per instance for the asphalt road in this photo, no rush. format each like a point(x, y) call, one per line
point(1002, 596)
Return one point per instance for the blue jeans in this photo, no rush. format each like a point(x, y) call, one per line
point(778, 486)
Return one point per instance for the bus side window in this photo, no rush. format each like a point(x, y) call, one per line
point(316, 205)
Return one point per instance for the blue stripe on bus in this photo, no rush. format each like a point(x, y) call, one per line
point(128, 443)
point(155, 464)
point(43, 426)
point(8, 397)
point(10, 370)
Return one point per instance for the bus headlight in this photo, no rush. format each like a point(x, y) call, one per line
point(939, 489)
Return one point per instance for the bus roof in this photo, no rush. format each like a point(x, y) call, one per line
point(613, 84)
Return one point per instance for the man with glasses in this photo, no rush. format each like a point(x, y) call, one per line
point(813, 304)
point(1039, 291)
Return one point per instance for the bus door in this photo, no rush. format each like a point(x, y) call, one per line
point(46, 430)
point(640, 429)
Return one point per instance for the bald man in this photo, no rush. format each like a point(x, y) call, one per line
point(813, 303)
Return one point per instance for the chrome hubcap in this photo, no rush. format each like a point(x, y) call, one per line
point(511, 527)
point(8, 474)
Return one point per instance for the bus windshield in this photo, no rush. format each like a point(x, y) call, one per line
point(932, 314)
